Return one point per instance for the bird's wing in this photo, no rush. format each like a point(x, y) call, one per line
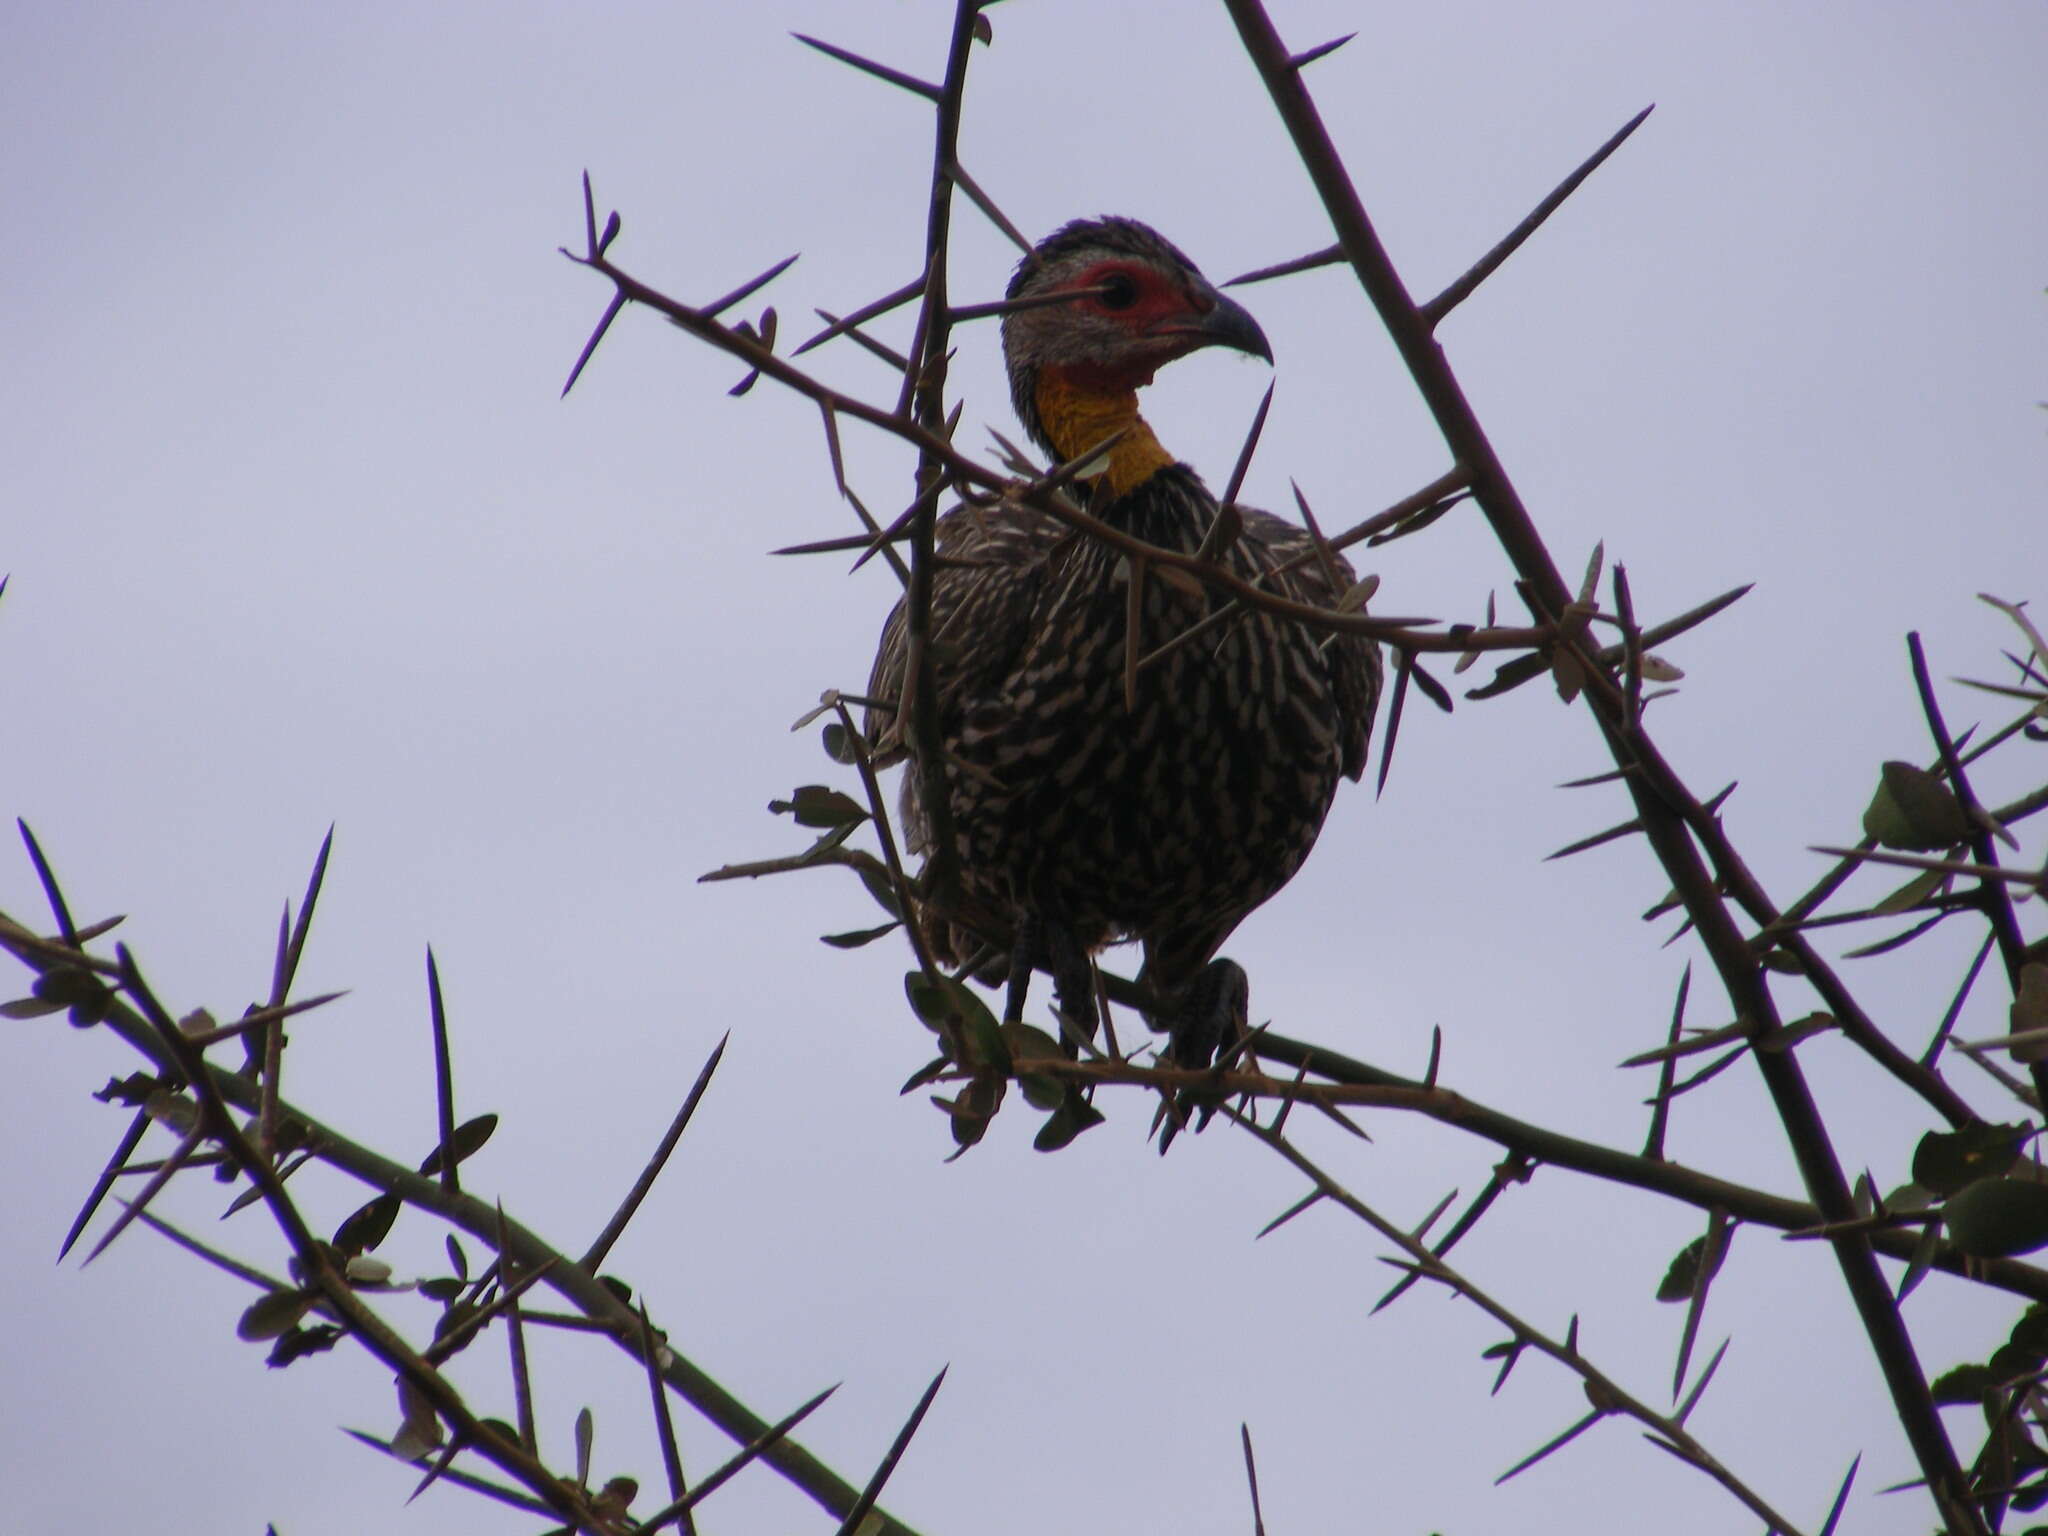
point(983, 593)
point(1354, 660)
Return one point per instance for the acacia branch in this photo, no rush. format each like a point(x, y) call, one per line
point(1654, 787)
point(1607, 1395)
point(1348, 1082)
point(526, 1250)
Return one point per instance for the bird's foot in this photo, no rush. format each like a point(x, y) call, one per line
point(1051, 944)
point(1211, 1015)
point(1073, 986)
point(1023, 956)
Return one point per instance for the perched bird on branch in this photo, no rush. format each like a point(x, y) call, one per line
point(1098, 794)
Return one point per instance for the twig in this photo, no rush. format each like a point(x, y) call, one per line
point(1605, 1392)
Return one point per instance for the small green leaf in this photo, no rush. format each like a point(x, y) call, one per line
point(420, 1430)
point(1028, 1042)
point(297, 1343)
point(272, 1313)
point(948, 1000)
point(2030, 1496)
point(1922, 1260)
point(971, 1112)
point(838, 744)
point(858, 937)
point(1914, 810)
point(968, 1007)
point(456, 1315)
point(444, 1289)
point(75, 988)
point(928, 1000)
point(1997, 1218)
point(882, 890)
point(368, 1226)
point(829, 839)
point(816, 805)
point(985, 1045)
point(1041, 1091)
point(1568, 674)
point(616, 1496)
point(2009, 1362)
point(2031, 1331)
point(1683, 1277)
point(931, 1070)
point(135, 1090)
point(2029, 1010)
point(1913, 892)
point(172, 1110)
point(1964, 1384)
point(1946, 1161)
point(66, 985)
point(1065, 1123)
point(468, 1139)
point(30, 1008)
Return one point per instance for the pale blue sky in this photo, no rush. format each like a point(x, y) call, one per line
point(299, 532)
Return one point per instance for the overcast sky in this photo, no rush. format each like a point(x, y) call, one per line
point(299, 532)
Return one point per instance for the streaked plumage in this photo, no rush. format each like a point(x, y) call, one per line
point(1077, 816)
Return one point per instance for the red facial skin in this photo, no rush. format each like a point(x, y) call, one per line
point(1164, 322)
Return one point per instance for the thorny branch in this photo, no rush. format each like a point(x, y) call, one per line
point(1672, 817)
point(320, 1272)
point(1606, 1395)
point(524, 1250)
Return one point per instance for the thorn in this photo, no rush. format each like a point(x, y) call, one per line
point(1308, 56)
point(911, 83)
point(748, 289)
point(1251, 443)
point(886, 353)
point(986, 204)
point(1434, 311)
point(1328, 256)
point(1633, 824)
point(1289, 1214)
point(611, 313)
point(888, 301)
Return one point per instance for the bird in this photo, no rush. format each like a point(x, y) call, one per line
point(1089, 806)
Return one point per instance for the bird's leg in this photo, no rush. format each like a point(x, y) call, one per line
point(1073, 982)
point(1210, 1011)
point(1023, 956)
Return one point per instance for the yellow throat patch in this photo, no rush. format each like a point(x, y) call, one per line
point(1076, 418)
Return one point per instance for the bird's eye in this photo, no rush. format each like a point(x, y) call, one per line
point(1119, 291)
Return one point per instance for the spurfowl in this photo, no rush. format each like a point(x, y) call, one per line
point(1084, 816)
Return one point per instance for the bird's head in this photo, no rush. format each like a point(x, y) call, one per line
point(1134, 304)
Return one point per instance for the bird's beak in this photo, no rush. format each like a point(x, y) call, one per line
point(1229, 324)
